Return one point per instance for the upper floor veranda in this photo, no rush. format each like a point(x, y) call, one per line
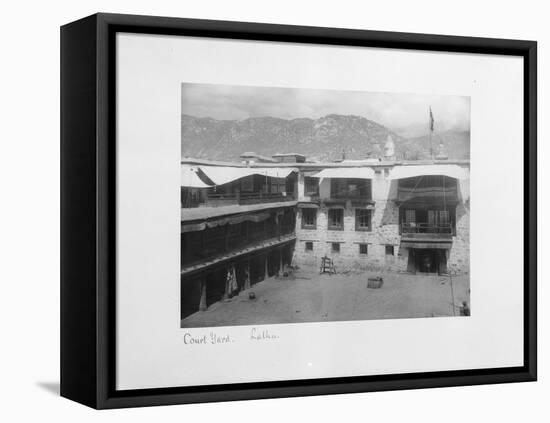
point(216, 184)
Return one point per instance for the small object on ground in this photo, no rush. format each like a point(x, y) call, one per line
point(297, 311)
point(327, 266)
point(375, 282)
point(464, 309)
point(285, 274)
point(251, 296)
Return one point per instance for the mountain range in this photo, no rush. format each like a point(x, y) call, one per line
point(331, 137)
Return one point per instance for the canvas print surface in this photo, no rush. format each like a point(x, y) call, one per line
point(302, 205)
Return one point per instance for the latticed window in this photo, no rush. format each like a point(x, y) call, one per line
point(309, 218)
point(336, 219)
point(311, 185)
point(362, 220)
point(350, 188)
point(444, 217)
point(363, 249)
point(410, 216)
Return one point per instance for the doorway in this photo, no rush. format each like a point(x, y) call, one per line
point(429, 260)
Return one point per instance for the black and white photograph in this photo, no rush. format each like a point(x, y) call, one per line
point(275, 211)
point(314, 205)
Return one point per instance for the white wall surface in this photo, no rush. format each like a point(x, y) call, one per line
point(29, 214)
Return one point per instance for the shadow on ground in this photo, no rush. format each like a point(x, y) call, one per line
point(51, 387)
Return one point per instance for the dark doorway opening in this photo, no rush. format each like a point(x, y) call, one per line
point(190, 296)
point(428, 260)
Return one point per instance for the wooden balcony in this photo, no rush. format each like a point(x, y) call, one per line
point(235, 252)
point(426, 232)
point(245, 198)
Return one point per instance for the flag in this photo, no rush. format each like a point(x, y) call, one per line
point(431, 120)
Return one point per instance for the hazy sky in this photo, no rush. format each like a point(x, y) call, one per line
point(406, 114)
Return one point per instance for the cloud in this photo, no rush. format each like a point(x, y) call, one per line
point(404, 113)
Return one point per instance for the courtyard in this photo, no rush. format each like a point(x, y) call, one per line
point(307, 296)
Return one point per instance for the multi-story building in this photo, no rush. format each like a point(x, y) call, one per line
point(243, 222)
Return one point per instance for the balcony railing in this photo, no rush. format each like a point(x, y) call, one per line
point(427, 230)
point(243, 198)
point(216, 242)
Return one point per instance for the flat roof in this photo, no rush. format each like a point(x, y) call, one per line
point(288, 155)
point(322, 165)
point(251, 154)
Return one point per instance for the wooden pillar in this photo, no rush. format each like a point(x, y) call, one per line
point(281, 265)
point(226, 286)
point(247, 275)
point(202, 304)
point(266, 275)
point(278, 224)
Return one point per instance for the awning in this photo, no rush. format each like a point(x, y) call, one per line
point(231, 220)
point(434, 245)
point(220, 175)
point(192, 227)
point(276, 172)
point(450, 170)
point(346, 172)
point(190, 179)
point(234, 220)
point(308, 205)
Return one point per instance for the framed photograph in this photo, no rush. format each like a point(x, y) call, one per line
point(257, 211)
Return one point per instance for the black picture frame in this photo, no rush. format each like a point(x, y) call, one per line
point(88, 209)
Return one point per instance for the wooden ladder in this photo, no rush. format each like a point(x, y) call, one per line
point(327, 266)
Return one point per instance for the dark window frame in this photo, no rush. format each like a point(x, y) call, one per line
point(358, 226)
point(311, 182)
point(307, 245)
point(305, 225)
point(390, 250)
point(340, 188)
point(332, 227)
point(364, 246)
point(337, 249)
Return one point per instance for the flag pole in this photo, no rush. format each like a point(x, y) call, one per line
point(431, 148)
point(431, 127)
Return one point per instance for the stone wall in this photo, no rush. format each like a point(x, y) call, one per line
point(385, 231)
point(459, 256)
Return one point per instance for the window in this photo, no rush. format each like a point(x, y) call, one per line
point(309, 246)
point(389, 250)
point(410, 216)
point(444, 217)
point(311, 186)
point(336, 219)
point(438, 217)
point(363, 249)
point(362, 220)
point(247, 184)
point(309, 218)
point(276, 185)
point(350, 188)
point(335, 247)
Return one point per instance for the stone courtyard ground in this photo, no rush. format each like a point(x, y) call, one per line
point(307, 296)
